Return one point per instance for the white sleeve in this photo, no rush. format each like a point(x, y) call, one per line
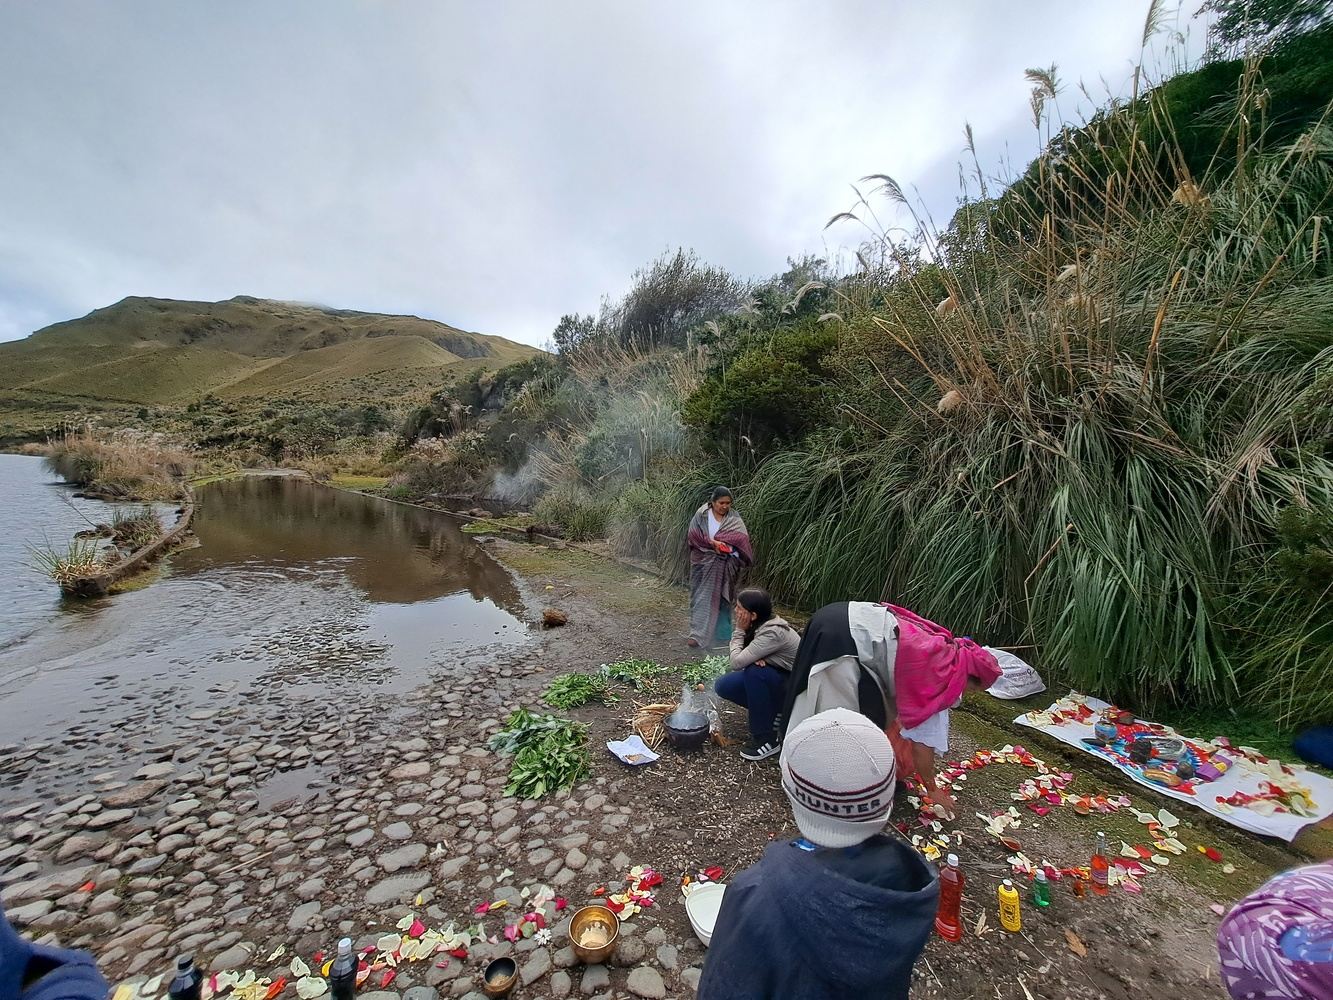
point(933, 733)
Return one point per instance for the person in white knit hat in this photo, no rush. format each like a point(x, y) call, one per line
point(842, 911)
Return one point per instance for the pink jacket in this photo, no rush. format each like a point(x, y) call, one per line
point(932, 667)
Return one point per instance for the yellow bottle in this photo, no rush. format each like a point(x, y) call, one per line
point(1010, 919)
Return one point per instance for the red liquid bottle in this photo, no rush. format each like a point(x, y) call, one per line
point(1101, 867)
point(949, 917)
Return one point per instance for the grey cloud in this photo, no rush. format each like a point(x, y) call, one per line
point(489, 165)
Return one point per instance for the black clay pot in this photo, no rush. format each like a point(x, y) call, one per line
point(686, 730)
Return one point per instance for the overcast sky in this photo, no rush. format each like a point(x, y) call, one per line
point(492, 165)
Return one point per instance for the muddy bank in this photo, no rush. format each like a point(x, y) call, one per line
point(271, 815)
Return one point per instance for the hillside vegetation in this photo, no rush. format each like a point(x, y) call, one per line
point(146, 360)
point(1091, 417)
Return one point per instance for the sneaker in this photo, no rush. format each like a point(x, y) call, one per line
point(761, 752)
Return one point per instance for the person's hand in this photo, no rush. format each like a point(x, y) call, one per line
point(741, 617)
point(761, 663)
point(719, 547)
point(945, 805)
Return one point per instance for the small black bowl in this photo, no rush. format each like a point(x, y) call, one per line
point(686, 730)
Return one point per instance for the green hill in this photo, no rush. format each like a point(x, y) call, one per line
point(163, 352)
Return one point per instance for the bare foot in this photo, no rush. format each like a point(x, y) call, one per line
point(692, 642)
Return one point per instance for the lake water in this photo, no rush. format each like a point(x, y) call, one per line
point(291, 583)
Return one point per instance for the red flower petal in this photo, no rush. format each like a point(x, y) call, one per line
point(389, 976)
point(417, 929)
point(460, 954)
point(560, 903)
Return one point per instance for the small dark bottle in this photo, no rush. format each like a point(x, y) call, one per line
point(342, 974)
point(189, 981)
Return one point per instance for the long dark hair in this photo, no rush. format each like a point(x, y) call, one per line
point(756, 601)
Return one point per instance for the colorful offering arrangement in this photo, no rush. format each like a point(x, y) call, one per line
point(1236, 783)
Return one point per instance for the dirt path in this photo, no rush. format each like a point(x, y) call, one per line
point(272, 821)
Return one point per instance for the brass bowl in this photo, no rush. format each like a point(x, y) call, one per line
point(590, 918)
point(499, 977)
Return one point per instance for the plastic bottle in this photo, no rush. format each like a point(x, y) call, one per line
point(1041, 889)
point(189, 981)
point(1010, 917)
point(949, 916)
point(342, 974)
point(1101, 867)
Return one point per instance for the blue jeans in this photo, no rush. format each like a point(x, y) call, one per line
point(760, 691)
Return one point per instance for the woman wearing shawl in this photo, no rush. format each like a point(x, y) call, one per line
point(898, 669)
point(719, 549)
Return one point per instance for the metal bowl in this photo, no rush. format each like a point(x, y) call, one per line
point(499, 977)
point(594, 918)
point(686, 730)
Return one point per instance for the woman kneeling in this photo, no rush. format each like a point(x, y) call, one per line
point(763, 649)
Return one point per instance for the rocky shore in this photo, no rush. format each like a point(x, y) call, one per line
point(180, 856)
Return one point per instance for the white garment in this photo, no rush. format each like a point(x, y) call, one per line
point(933, 733)
point(713, 524)
point(832, 684)
point(874, 630)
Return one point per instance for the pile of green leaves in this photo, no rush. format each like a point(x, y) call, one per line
point(572, 690)
point(633, 671)
point(550, 753)
point(707, 670)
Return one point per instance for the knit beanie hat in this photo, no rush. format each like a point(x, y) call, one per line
point(838, 771)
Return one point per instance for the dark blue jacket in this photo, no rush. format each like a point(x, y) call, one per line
point(810, 925)
point(36, 972)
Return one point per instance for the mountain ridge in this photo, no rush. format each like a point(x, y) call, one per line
point(151, 350)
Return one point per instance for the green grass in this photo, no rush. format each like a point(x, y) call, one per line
point(364, 483)
point(162, 352)
point(80, 558)
point(498, 525)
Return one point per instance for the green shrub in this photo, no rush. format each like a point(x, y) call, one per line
point(580, 516)
point(770, 392)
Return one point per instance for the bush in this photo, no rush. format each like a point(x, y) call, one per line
point(582, 517)
point(427, 478)
point(135, 529)
point(772, 391)
point(120, 466)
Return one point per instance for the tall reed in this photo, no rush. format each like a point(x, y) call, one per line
point(1089, 401)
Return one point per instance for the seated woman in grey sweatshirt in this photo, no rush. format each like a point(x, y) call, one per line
point(763, 649)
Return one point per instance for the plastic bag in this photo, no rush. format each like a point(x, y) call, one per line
point(702, 702)
point(1018, 679)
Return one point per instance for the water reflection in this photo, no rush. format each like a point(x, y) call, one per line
point(394, 553)
point(293, 584)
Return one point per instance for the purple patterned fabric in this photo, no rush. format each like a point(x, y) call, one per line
point(1278, 941)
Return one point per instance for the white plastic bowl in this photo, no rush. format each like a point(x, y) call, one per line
point(702, 906)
